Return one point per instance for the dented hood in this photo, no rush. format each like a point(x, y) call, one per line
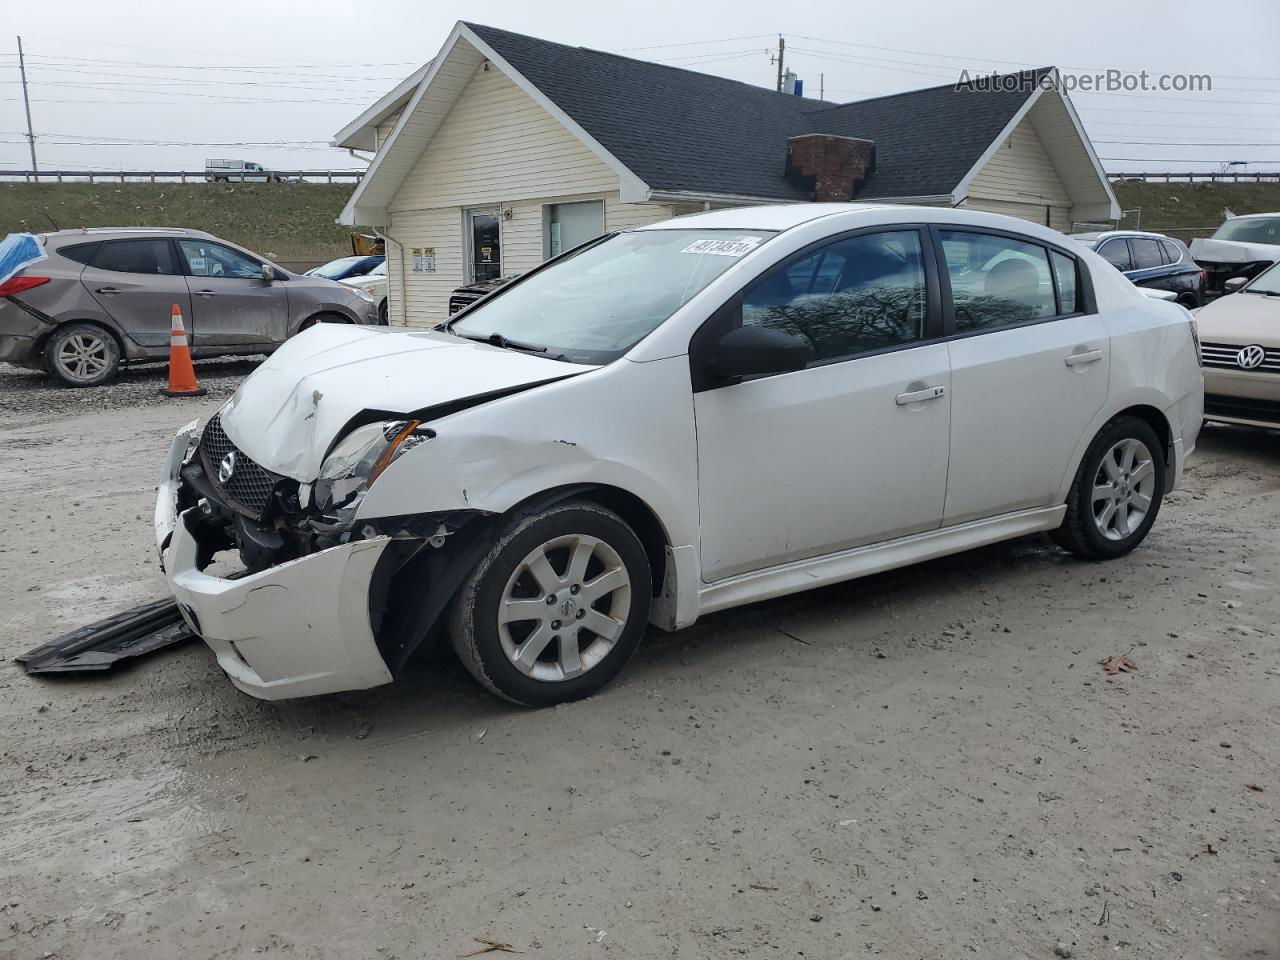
point(1233, 251)
point(288, 412)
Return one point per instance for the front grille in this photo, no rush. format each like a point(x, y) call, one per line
point(1241, 408)
point(248, 490)
point(1223, 356)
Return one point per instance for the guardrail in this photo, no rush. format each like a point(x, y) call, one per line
point(1272, 176)
point(180, 176)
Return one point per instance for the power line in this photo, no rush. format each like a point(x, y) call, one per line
point(1192, 143)
point(696, 43)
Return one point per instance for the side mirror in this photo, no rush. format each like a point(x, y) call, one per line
point(269, 273)
point(1235, 284)
point(752, 350)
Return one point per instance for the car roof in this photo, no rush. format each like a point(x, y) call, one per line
point(1108, 234)
point(778, 216)
point(1250, 216)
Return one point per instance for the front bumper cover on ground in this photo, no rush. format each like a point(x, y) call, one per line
point(294, 630)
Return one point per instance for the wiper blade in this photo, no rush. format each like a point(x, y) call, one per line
point(498, 340)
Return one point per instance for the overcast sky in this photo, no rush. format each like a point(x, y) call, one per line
point(296, 72)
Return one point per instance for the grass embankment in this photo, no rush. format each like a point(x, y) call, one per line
point(1189, 210)
point(288, 222)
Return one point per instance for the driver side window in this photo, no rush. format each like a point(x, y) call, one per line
point(850, 296)
point(205, 259)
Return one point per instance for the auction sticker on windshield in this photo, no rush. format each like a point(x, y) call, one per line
point(724, 248)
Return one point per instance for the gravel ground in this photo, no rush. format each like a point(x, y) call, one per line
point(929, 763)
point(30, 397)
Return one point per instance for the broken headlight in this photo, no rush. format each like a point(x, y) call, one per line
point(357, 460)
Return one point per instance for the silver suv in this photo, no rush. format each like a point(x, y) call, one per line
point(105, 295)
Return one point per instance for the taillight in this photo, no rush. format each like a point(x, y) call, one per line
point(1204, 277)
point(19, 284)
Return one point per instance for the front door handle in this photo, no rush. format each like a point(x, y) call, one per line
point(1088, 356)
point(205, 293)
point(107, 291)
point(918, 396)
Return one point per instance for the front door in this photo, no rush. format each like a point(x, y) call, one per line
point(852, 449)
point(1029, 370)
point(484, 244)
point(138, 282)
point(233, 305)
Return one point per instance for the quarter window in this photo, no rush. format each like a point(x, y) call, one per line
point(1116, 253)
point(205, 259)
point(1171, 251)
point(136, 256)
point(853, 295)
point(1064, 271)
point(997, 281)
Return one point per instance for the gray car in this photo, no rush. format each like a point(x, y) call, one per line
point(105, 295)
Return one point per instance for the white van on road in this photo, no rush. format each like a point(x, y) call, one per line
point(670, 421)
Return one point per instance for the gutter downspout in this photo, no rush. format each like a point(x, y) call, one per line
point(404, 309)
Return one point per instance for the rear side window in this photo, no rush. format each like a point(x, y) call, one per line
point(850, 296)
point(1171, 251)
point(1064, 272)
point(80, 252)
point(1146, 253)
point(136, 256)
point(1116, 253)
point(997, 281)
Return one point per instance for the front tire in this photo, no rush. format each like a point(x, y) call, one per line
point(1117, 492)
point(555, 609)
point(82, 355)
point(382, 314)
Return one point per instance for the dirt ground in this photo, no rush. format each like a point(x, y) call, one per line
point(929, 763)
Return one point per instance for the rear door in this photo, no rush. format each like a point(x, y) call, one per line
point(1150, 266)
point(1030, 360)
point(233, 305)
point(137, 282)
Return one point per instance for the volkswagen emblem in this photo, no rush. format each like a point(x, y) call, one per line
point(227, 467)
point(1250, 358)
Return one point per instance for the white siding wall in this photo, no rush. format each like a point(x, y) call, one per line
point(496, 148)
point(383, 130)
point(1019, 180)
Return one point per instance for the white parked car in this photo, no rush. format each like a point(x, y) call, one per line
point(673, 420)
point(373, 283)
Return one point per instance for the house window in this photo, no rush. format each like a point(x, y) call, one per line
point(484, 244)
point(568, 225)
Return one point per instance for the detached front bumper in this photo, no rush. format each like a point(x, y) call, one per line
point(297, 629)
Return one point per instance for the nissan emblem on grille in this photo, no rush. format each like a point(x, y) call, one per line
point(1251, 357)
point(227, 467)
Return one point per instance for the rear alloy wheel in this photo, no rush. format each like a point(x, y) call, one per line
point(1116, 493)
point(82, 355)
point(556, 608)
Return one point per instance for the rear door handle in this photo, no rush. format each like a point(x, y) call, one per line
point(919, 396)
point(205, 293)
point(107, 291)
point(1079, 359)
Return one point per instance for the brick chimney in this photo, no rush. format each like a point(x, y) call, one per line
point(830, 168)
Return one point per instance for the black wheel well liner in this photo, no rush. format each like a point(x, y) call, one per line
point(412, 588)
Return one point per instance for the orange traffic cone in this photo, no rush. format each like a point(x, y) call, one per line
point(182, 375)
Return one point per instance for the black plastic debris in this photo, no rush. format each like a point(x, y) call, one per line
point(100, 646)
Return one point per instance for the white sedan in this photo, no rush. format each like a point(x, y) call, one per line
point(671, 421)
point(373, 283)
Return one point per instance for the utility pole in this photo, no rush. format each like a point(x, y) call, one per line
point(26, 102)
point(782, 49)
point(822, 86)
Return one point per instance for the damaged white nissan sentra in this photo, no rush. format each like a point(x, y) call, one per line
point(669, 421)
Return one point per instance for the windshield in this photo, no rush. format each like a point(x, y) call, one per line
point(596, 303)
point(1250, 230)
point(380, 270)
point(337, 268)
point(1266, 282)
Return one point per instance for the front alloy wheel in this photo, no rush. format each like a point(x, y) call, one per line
point(556, 607)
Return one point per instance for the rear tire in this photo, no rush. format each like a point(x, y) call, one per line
point(1117, 492)
point(82, 355)
point(555, 609)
